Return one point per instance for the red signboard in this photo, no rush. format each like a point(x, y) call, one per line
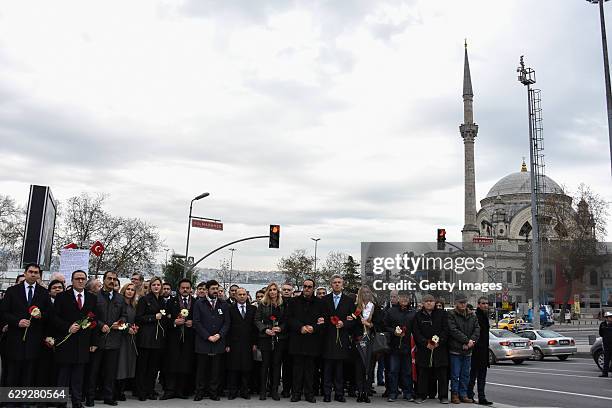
point(207, 224)
point(482, 240)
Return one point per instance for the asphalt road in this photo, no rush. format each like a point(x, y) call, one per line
point(550, 383)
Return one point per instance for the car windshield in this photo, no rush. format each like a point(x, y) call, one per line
point(548, 334)
point(503, 333)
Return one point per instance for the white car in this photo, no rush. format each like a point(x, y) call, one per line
point(505, 345)
point(547, 343)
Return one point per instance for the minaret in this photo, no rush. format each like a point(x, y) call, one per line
point(469, 130)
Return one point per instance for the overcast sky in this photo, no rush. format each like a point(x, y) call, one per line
point(335, 119)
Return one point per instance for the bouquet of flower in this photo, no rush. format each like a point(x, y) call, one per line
point(35, 313)
point(159, 326)
point(434, 343)
point(121, 325)
point(49, 342)
point(334, 320)
point(88, 322)
point(356, 314)
point(184, 314)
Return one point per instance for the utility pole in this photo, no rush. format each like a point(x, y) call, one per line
point(231, 265)
point(316, 240)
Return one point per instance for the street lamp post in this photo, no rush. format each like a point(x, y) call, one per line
point(231, 265)
point(189, 230)
point(316, 240)
point(604, 42)
point(166, 249)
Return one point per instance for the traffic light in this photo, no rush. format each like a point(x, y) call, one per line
point(441, 239)
point(274, 236)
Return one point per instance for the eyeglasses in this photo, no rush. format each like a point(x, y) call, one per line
point(308, 286)
point(483, 303)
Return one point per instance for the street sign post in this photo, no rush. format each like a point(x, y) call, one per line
point(483, 240)
point(213, 225)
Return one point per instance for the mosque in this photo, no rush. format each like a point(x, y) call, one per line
point(504, 224)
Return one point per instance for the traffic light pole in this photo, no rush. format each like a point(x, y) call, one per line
point(220, 248)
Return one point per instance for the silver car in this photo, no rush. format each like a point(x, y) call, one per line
point(548, 343)
point(505, 345)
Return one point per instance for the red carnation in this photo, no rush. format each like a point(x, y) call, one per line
point(357, 312)
point(273, 318)
point(93, 324)
point(91, 315)
point(334, 320)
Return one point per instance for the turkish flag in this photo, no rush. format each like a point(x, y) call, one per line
point(97, 248)
point(71, 246)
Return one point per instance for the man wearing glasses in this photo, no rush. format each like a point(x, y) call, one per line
point(305, 318)
point(480, 355)
point(463, 334)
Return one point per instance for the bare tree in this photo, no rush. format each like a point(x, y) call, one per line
point(296, 267)
point(334, 265)
point(12, 227)
point(225, 275)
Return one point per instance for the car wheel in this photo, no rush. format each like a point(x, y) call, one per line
point(599, 359)
point(493, 360)
point(562, 358)
point(537, 354)
point(518, 361)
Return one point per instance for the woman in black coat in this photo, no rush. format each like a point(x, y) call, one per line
point(272, 339)
point(152, 319)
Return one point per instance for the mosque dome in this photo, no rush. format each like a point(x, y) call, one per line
point(520, 183)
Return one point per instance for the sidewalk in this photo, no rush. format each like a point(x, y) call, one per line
point(254, 402)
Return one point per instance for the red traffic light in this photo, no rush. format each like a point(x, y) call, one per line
point(441, 234)
point(274, 236)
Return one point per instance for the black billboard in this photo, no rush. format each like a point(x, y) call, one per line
point(40, 225)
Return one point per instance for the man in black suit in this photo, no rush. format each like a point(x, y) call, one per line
point(71, 308)
point(241, 344)
point(179, 356)
point(338, 325)
point(25, 334)
point(305, 316)
point(211, 321)
point(107, 338)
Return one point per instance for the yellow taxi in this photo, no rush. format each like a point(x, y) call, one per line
point(508, 324)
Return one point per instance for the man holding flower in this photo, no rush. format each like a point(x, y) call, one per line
point(25, 309)
point(430, 324)
point(112, 315)
point(74, 317)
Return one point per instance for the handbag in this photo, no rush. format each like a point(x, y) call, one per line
point(380, 342)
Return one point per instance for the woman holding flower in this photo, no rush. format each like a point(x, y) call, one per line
point(153, 320)
point(272, 338)
point(126, 370)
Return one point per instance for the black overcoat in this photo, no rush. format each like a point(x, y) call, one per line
point(15, 307)
point(241, 338)
point(304, 311)
point(151, 332)
point(208, 322)
point(424, 327)
point(263, 322)
point(109, 312)
point(75, 350)
point(337, 342)
point(394, 317)
point(480, 354)
point(180, 347)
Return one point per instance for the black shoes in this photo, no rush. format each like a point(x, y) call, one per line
point(327, 398)
point(112, 403)
point(365, 398)
point(198, 397)
point(604, 375)
point(340, 398)
point(89, 402)
point(295, 398)
point(484, 401)
point(311, 399)
point(167, 396)
point(275, 396)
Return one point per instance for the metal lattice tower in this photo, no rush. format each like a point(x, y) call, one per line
point(538, 183)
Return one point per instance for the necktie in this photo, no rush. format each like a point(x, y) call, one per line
point(242, 310)
point(336, 301)
point(185, 302)
point(30, 294)
point(213, 303)
point(110, 295)
point(79, 302)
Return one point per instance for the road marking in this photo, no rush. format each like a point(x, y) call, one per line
point(549, 369)
point(543, 372)
point(553, 391)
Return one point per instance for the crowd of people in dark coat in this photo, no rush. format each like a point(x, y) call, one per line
point(101, 341)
